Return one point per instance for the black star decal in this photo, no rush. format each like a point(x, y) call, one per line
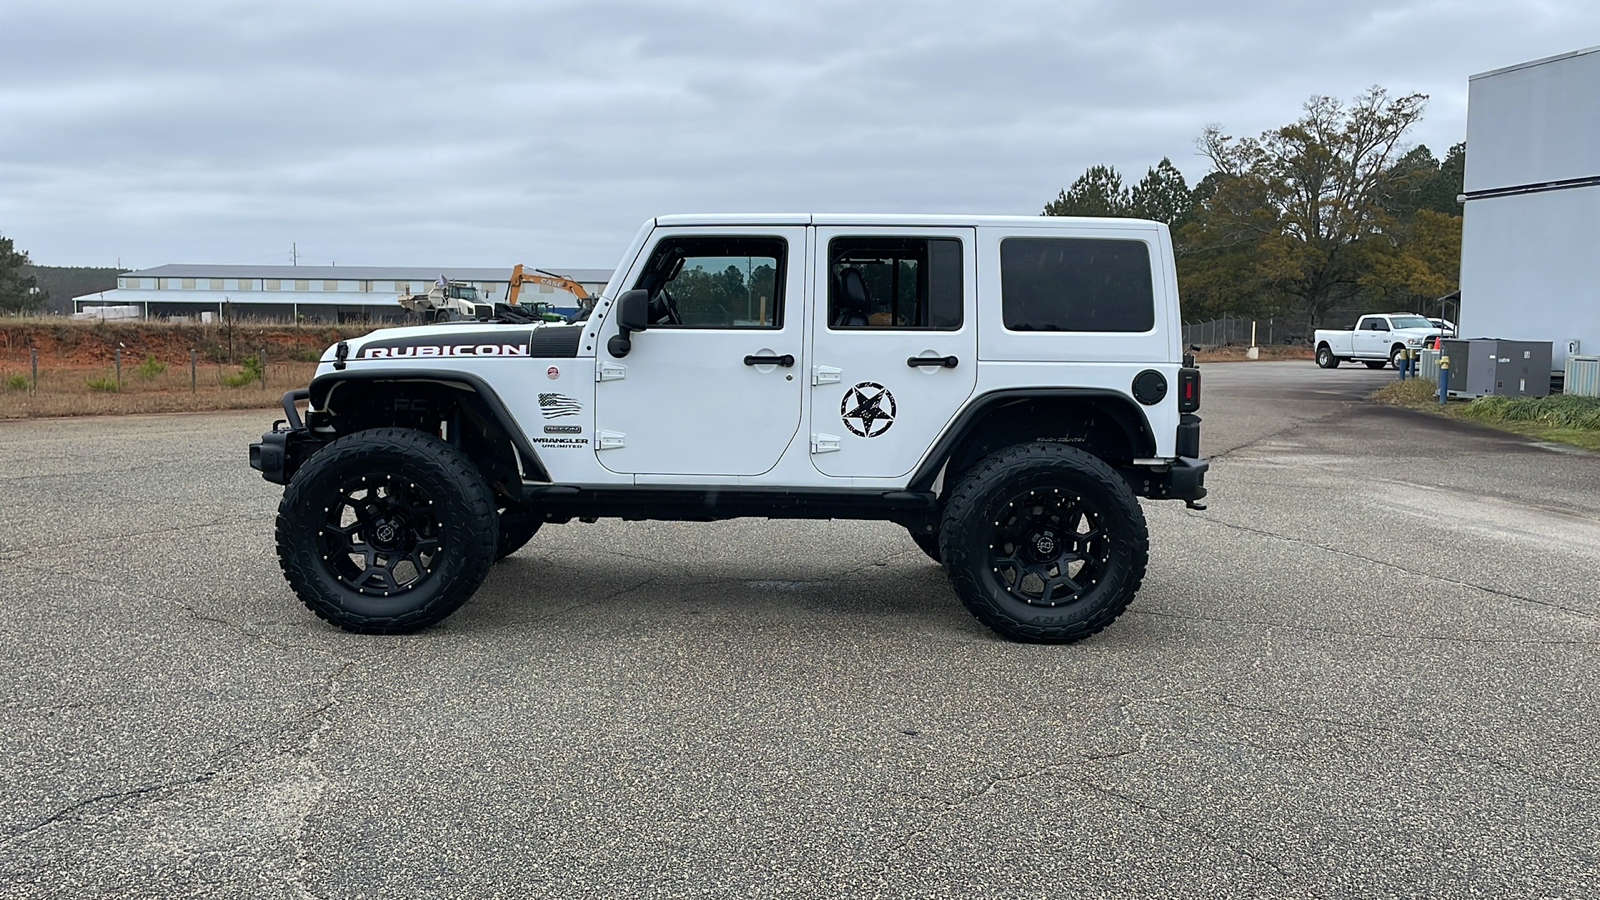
point(868, 409)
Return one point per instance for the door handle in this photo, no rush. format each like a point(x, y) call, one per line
point(785, 360)
point(947, 362)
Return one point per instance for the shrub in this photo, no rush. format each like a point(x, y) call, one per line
point(249, 370)
point(103, 384)
point(151, 367)
point(17, 382)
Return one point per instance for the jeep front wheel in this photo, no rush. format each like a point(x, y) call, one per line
point(517, 527)
point(387, 531)
point(1044, 543)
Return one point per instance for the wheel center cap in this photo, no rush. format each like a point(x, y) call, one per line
point(1044, 544)
point(385, 532)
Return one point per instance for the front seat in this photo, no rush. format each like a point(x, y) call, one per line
point(851, 300)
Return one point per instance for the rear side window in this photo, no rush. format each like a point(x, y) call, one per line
point(1076, 284)
point(888, 282)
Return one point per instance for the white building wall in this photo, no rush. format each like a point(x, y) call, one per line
point(1530, 255)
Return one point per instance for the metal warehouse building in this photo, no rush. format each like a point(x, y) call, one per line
point(309, 293)
point(1530, 238)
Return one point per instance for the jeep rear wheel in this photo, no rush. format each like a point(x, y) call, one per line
point(928, 541)
point(386, 531)
point(1044, 543)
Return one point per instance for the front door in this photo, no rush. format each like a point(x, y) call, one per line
point(894, 344)
point(711, 387)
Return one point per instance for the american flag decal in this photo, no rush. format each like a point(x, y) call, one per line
point(556, 406)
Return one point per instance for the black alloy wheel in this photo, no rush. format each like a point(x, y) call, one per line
point(380, 535)
point(1049, 548)
point(387, 531)
point(1044, 543)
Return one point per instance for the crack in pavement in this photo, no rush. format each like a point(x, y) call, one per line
point(1205, 837)
point(1415, 738)
point(1399, 568)
point(1287, 626)
point(62, 814)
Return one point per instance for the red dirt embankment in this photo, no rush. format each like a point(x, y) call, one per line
point(73, 343)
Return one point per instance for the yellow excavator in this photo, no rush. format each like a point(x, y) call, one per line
point(521, 276)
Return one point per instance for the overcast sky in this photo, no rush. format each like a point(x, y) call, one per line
point(489, 133)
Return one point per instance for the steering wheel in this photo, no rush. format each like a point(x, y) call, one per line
point(664, 309)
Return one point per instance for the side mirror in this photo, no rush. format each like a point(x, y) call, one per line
point(633, 310)
point(633, 314)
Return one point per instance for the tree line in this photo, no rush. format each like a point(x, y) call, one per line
point(1330, 210)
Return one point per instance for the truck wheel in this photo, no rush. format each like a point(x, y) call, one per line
point(1044, 543)
point(1394, 355)
point(1326, 359)
point(1374, 363)
point(929, 542)
point(517, 527)
point(386, 531)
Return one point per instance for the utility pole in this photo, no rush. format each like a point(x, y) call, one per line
point(294, 255)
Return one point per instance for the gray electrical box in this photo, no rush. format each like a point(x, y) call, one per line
point(1483, 366)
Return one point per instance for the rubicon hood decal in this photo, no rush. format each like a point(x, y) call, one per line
point(470, 343)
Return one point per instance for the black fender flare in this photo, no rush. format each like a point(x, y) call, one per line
point(322, 388)
point(1125, 412)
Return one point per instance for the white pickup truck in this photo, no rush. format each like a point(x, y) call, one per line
point(1377, 339)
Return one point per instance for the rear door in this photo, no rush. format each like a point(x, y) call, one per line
point(894, 344)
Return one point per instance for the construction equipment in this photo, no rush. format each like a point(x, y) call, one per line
point(520, 276)
point(447, 301)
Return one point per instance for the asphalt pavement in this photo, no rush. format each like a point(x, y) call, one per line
point(1369, 669)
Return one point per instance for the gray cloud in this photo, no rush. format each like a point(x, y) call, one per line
point(491, 133)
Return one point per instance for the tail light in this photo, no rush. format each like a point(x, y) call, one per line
point(1188, 390)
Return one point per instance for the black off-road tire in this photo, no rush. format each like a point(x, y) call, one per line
point(928, 542)
point(1375, 363)
point(1326, 359)
point(517, 527)
point(416, 511)
point(1044, 543)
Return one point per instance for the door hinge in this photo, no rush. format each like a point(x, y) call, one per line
point(824, 443)
point(609, 371)
point(825, 375)
point(611, 440)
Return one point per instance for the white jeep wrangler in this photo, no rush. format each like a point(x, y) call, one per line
point(1006, 388)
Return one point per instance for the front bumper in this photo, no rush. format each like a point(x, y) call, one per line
point(281, 451)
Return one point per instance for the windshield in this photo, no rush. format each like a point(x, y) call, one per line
point(463, 292)
point(1409, 322)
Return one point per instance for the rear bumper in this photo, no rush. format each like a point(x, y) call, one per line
point(1181, 479)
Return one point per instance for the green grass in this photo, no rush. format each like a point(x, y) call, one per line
point(102, 384)
point(16, 382)
point(1561, 418)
